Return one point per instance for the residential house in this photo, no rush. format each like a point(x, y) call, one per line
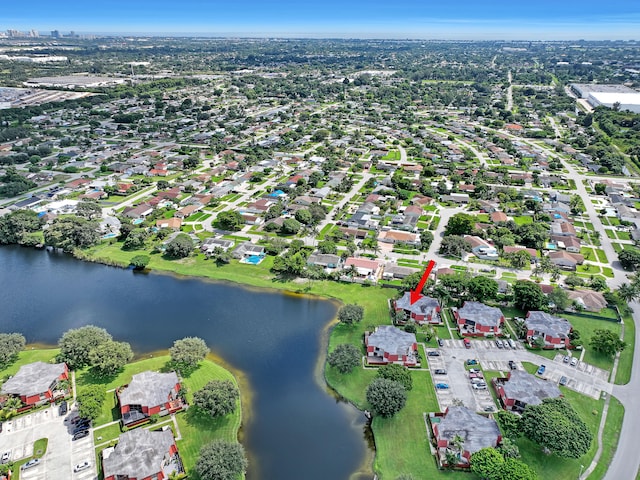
point(568, 243)
point(553, 330)
point(174, 223)
point(398, 236)
point(588, 299)
point(566, 260)
point(459, 423)
point(475, 319)
point(481, 248)
point(142, 454)
point(37, 383)
point(325, 260)
point(248, 249)
point(424, 310)
point(498, 217)
point(391, 271)
point(456, 198)
point(210, 244)
point(533, 253)
point(363, 267)
point(389, 344)
point(563, 229)
point(140, 211)
point(520, 389)
point(149, 393)
point(184, 212)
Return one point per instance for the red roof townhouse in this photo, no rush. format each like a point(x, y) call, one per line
point(37, 383)
point(391, 345)
point(142, 455)
point(149, 393)
point(424, 310)
point(476, 431)
point(553, 330)
point(476, 319)
point(520, 389)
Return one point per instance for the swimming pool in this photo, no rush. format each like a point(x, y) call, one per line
point(253, 259)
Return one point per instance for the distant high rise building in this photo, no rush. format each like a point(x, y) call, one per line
point(55, 34)
point(34, 33)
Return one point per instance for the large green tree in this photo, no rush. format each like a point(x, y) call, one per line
point(606, 342)
point(230, 220)
point(10, 345)
point(482, 288)
point(180, 247)
point(528, 295)
point(71, 232)
point(487, 463)
point(555, 425)
point(109, 358)
point(221, 460)
point(76, 345)
point(460, 224)
point(187, 353)
point(217, 398)
point(90, 400)
point(397, 373)
point(386, 397)
point(345, 357)
point(454, 246)
point(350, 314)
point(15, 226)
point(629, 258)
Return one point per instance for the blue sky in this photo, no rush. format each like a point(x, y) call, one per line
point(453, 19)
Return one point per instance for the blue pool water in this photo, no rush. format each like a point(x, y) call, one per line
point(254, 259)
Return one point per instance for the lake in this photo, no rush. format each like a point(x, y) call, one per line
point(297, 429)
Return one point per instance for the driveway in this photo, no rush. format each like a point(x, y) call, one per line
point(19, 434)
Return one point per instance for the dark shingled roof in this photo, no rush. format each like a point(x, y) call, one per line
point(480, 313)
point(139, 454)
point(33, 379)
point(529, 389)
point(547, 324)
point(423, 306)
point(477, 431)
point(149, 389)
point(392, 340)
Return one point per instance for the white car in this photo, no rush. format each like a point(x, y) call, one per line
point(5, 457)
point(82, 466)
point(574, 361)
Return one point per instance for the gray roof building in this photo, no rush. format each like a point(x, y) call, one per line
point(477, 431)
point(33, 379)
point(528, 389)
point(392, 340)
point(248, 249)
point(481, 314)
point(543, 324)
point(140, 453)
point(327, 260)
point(149, 389)
point(422, 306)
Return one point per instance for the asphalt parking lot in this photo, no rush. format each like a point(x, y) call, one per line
point(19, 434)
point(583, 378)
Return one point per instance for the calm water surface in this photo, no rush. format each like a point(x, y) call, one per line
point(297, 429)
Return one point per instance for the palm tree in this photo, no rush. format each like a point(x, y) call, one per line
point(628, 293)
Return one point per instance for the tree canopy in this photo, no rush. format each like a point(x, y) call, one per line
point(397, 373)
point(76, 345)
point(528, 295)
point(221, 460)
point(109, 357)
point(71, 232)
point(15, 226)
point(386, 397)
point(180, 247)
point(350, 314)
point(230, 220)
point(555, 425)
point(629, 259)
point(454, 246)
point(187, 352)
point(90, 400)
point(11, 344)
point(345, 357)
point(460, 224)
point(607, 342)
point(217, 398)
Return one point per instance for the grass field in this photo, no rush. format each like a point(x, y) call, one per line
point(586, 327)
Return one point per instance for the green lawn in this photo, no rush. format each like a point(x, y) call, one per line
point(32, 354)
point(623, 374)
point(610, 437)
point(523, 220)
point(586, 327)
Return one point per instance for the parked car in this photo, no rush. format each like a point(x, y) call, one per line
point(31, 463)
point(499, 343)
point(62, 410)
point(78, 419)
point(512, 365)
point(563, 380)
point(574, 361)
point(472, 361)
point(474, 370)
point(440, 342)
point(467, 343)
point(512, 344)
point(489, 408)
point(442, 386)
point(541, 369)
point(479, 386)
point(80, 434)
point(476, 375)
point(477, 380)
point(80, 427)
point(82, 466)
point(440, 371)
point(5, 457)
point(433, 353)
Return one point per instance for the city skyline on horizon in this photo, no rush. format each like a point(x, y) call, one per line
point(460, 20)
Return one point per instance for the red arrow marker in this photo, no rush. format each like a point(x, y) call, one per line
point(417, 293)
